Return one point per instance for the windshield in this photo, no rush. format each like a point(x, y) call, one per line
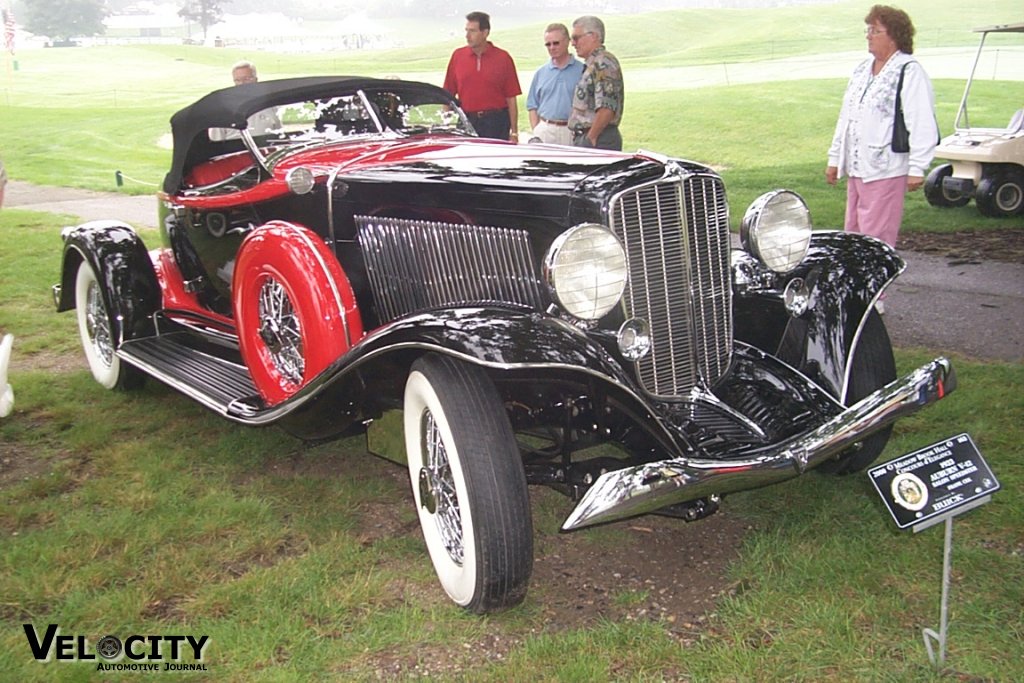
point(365, 112)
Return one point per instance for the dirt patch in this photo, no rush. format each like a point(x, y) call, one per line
point(647, 568)
point(968, 246)
point(57, 362)
point(20, 463)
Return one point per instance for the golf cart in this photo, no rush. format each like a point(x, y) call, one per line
point(986, 163)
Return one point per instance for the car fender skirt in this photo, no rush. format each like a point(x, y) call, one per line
point(646, 488)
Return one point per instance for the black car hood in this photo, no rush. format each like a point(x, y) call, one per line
point(492, 165)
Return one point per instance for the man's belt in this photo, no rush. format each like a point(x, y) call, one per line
point(485, 112)
point(554, 123)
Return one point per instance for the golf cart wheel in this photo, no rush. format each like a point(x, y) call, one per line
point(872, 367)
point(468, 484)
point(1001, 195)
point(936, 194)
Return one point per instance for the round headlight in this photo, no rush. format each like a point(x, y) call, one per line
point(300, 180)
point(777, 230)
point(585, 269)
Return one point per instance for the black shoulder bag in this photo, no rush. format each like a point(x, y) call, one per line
point(900, 135)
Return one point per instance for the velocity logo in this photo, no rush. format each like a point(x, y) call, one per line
point(146, 653)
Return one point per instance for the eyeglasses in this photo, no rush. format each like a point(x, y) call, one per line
point(553, 43)
point(872, 31)
point(580, 36)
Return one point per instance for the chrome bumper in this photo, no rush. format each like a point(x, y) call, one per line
point(646, 488)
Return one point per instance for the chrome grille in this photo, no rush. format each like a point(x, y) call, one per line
point(415, 265)
point(676, 235)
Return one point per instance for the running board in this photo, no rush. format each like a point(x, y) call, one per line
point(218, 384)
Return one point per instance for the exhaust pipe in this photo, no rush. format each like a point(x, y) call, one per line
point(645, 488)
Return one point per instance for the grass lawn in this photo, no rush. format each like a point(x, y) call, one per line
point(144, 513)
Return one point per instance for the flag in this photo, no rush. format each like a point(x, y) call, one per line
point(9, 30)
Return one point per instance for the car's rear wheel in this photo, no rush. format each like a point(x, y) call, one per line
point(468, 484)
point(936, 194)
point(294, 309)
point(872, 367)
point(99, 334)
point(1001, 195)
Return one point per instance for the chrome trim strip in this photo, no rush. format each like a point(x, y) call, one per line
point(646, 488)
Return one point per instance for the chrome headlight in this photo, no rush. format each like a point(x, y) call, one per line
point(585, 269)
point(300, 180)
point(777, 230)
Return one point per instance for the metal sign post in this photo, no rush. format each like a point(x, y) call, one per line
point(937, 659)
point(932, 485)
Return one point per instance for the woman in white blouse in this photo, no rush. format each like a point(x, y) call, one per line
point(878, 177)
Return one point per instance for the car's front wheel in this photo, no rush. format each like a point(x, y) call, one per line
point(1001, 194)
point(936, 194)
point(872, 367)
point(468, 484)
point(99, 334)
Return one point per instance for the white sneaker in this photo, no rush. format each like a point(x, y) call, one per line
point(880, 307)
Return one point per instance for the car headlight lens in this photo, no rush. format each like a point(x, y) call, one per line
point(777, 230)
point(585, 269)
point(300, 180)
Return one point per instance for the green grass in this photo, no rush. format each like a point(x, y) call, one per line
point(144, 513)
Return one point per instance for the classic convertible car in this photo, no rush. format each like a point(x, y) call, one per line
point(526, 314)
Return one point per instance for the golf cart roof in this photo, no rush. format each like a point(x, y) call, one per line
point(1002, 28)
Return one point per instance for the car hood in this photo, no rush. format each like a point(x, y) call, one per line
point(467, 161)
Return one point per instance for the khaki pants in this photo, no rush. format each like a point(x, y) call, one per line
point(552, 134)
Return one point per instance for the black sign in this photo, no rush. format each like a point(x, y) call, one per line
point(927, 486)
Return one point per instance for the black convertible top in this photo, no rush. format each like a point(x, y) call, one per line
point(231, 108)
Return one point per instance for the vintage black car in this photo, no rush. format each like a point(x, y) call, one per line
point(337, 252)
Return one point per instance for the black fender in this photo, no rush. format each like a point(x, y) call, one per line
point(524, 348)
point(843, 275)
point(119, 258)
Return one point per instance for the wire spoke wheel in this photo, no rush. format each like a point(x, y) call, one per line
point(99, 335)
point(468, 484)
point(437, 490)
point(281, 330)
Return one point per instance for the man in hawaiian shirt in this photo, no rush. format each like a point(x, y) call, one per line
point(600, 95)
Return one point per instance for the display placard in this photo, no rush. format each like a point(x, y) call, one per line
point(938, 481)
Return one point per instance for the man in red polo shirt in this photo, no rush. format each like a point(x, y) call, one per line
point(483, 78)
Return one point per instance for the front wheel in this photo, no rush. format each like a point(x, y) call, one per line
point(99, 334)
point(1001, 195)
point(936, 194)
point(468, 483)
point(872, 367)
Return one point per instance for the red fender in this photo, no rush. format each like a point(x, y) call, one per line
point(307, 317)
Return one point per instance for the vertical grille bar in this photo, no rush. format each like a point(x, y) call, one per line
point(416, 265)
point(676, 236)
